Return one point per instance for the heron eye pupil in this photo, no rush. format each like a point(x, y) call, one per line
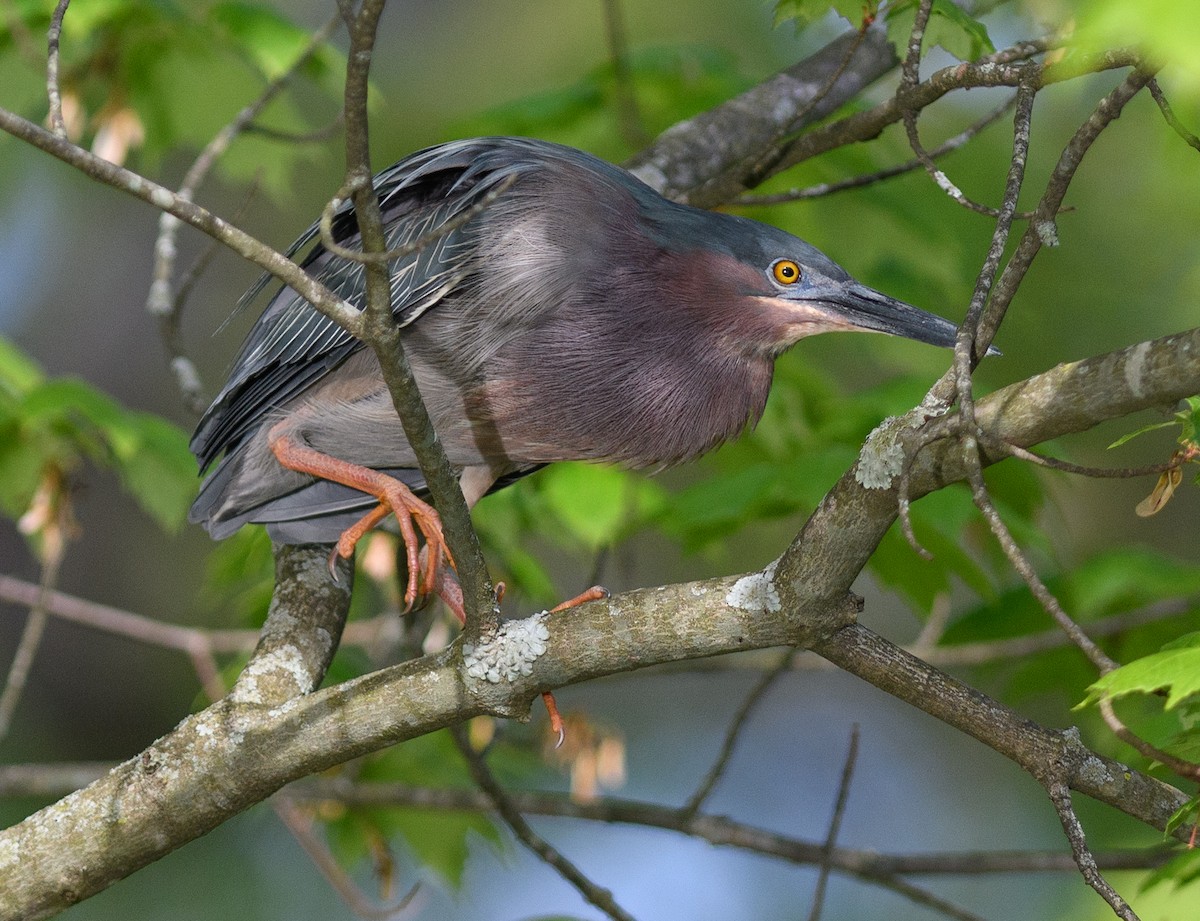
point(786, 272)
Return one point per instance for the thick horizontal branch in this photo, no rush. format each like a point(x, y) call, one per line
point(235, 753)
point(844, 531)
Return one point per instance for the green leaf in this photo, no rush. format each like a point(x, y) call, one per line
point(959, 33)
point(1176, 669)
point(1189, 811)
point(1142, 431)
point(18, 372)
point(805, 12)
point(1181, 869)
point(440, 839)
point(260, 33)
point(1162, 30)
point(598, 504)
point(1108, 583)
point(157, 469)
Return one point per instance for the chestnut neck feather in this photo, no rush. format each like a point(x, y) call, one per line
point(654, 364)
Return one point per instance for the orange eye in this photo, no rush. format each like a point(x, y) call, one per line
point(786, 272)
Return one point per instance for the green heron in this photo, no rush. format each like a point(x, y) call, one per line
point(579, 316)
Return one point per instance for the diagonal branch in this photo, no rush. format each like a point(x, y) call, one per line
point(500, 801)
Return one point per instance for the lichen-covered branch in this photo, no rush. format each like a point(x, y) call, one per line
point(235, 753)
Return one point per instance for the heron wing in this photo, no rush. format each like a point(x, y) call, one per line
point(292, 345)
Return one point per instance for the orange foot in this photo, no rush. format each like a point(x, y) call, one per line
point(394, 497)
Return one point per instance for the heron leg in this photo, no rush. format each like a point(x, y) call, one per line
point(394, 498)
point(595, 593)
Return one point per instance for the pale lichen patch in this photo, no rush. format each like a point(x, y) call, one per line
point(511, 652)
point(755, 592)
point(882, 457)
point(1048, 231)
point(1134, 366)
point(286, 659)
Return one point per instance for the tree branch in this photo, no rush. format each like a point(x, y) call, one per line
point(382, 334)
point(235, 753)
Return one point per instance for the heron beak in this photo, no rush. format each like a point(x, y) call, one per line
point(867, 309)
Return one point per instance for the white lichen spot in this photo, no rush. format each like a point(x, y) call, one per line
point(755, 592)
point(1048, 231)
point(10, 853)
point(1095, 772)
point(511, 653)
point(652, 175)
point(286, 659)
point(933, 407)
point(185, 372)
point(882, 457)
point(1134, 367)
point(161, 198)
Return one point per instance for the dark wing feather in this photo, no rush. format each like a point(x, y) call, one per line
point(292, 345)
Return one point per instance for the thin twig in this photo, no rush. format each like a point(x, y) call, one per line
point(1053, 463)
point(53, 93)
point(505, 808)
point(161, 302)
point(734, 731)
point(979, 328)
point(1060, 796)
point(629, 116)
point(1169, 114)
point(835, 824)
point(1180, 766)
point(965, 351)
point(382, 334)
point(908, 80)
point(857, 182)
point(1042, 231)
point(27, 646)
point(317, 135)
point(343, 884)
point(164, 199)
point(868, 864)
point(1025, 569)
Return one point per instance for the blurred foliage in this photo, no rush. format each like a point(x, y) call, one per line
point(129, 69)
point(1164, 30)
point(136, 63)
point(667, 81)
point(950, 27)
point(59, 424)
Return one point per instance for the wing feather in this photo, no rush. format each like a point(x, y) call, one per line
point(292, 345)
